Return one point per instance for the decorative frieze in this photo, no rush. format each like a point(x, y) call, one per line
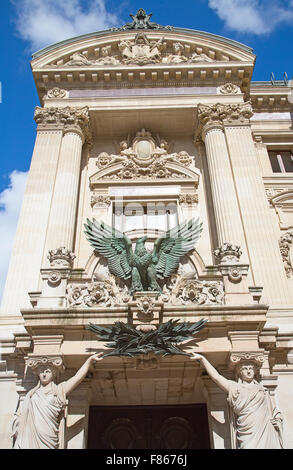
point(200, 292)
point(61, 257)
point(285, 243)
point(96, 293)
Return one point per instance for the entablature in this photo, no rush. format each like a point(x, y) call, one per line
point(118, 59)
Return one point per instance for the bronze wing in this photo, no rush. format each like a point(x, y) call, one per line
point(112, 244)
point(174, 244)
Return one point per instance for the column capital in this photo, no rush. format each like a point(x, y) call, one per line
point(216, 115)
point(38, 362)
point(68, 119)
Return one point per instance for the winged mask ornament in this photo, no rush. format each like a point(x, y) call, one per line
point(143, 267)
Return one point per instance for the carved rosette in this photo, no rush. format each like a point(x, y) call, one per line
point(228, 253)
point(229, 89)
point(61, 258)
point(56, 93)
point(37, 363)
point(68, 118)
point(54, 278)
point(285, 243)
point(213, 116)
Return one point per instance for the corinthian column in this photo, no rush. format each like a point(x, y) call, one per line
point(261, 229)
point(227, 217)
point(61, 227)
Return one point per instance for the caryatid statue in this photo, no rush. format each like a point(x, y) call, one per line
point(36, 425)
point(257, 420)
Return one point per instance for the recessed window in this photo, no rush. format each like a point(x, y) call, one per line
point(281, 161)
point(150, 216)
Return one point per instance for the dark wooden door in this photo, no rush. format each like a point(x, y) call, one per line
point(148, 427)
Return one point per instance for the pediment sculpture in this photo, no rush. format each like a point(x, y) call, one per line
point(141, 51)
point(143, 159)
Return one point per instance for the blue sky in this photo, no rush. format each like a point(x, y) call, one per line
point(29, 25)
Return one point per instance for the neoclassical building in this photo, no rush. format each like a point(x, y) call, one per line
point(145, 127)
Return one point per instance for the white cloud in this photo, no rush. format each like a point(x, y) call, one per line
point(10, 203)
point(253, 16)
point(45, 22)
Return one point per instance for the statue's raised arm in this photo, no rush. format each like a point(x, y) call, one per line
point(257, 420)
point(36, 423)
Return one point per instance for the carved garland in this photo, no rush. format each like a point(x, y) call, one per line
point(285, 243)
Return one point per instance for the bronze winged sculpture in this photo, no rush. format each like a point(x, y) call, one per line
point(143, 267)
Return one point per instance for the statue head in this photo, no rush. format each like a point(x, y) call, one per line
point(47, 374)
point(247, 371)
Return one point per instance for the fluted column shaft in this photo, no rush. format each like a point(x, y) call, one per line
point(63, 210)
point(62, 220)
point(226, 208)
point(228, 221)
point(262, 232)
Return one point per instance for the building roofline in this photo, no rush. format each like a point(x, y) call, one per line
point(192, 32)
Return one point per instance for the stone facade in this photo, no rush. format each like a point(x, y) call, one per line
point(145, 130)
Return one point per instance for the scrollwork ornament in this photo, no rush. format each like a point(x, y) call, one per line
point(237, 358)
point(35, 363)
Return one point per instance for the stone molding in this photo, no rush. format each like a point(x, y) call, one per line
point(216, 115)
point(69, 119)
point(285, 243)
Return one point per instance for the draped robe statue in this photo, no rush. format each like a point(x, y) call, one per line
point(36, 425)
point(257, 421)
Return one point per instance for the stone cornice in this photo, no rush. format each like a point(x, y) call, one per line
point(68, 119)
